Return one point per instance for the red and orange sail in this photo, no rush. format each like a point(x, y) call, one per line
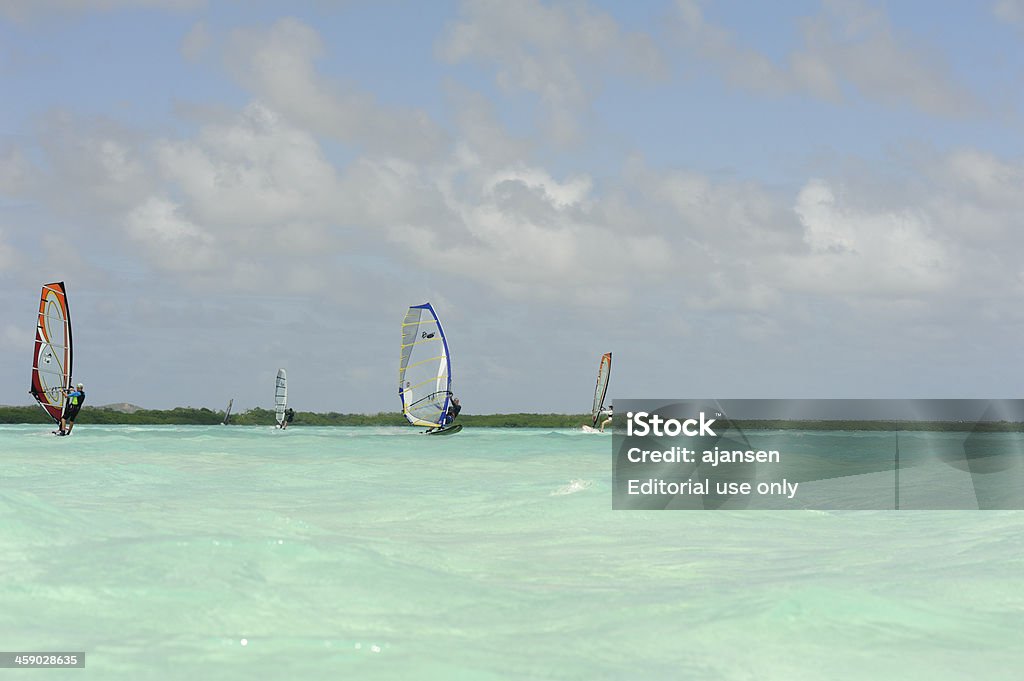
point(604, 371)
point(51, 361)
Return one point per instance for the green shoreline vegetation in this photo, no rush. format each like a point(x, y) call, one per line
point(201, 416)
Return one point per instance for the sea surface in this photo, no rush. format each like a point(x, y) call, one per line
point(378, 553)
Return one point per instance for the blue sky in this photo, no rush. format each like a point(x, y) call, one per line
point(801, 199)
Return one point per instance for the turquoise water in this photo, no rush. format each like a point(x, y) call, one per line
point(377, 553)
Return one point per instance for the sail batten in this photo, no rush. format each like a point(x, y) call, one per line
point(52, 356)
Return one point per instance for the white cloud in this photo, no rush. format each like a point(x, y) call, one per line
point(97, 163)
point(927, 238)
point(859, 45)
point(222, 206)
point(562, 53)
point(243, 198)
point(516, 230)
point(984, 178)
point(743, 67)
point(1009, 11)
point(734, 216)
point(848, 46)
point(857, 252)
point(276, 64)
point(573, 191)
point(974, 198)
point(481, 131)
point(255, 193)
point(171, 240)
point(255, 172)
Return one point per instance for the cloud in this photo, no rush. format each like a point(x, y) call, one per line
point(848, 48)
point(523, 233)
point(1009, 11)
point(254, 193)
point(574, 191)
point(196, 42)
point(974, 197)
point(253, 172)
point(480, 130)
point(858, 252)
point(515, 228)
point(742, 66)
point(733, 216)
point(20, 10)
point(983, 178)
point(221, 207)
point(99, 164)
point(561, 53)
point(276, 65)
point(943, 233)
point(171, 240)
point(17, 173)
point(244, 197)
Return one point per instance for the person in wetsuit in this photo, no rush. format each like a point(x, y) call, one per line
point(289, 416)
point(76, 398)
point(453, 411)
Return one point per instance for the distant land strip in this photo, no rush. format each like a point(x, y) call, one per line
point(118, 415)
point(123, 414)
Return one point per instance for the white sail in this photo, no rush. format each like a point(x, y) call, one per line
point(424, 370)
point(281, 395)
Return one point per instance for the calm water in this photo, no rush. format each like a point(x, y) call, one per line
point(377, 553)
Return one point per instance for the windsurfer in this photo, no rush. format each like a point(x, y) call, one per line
point(453, 411)
point(289, 416)
point(76, 398)
point(607, 413)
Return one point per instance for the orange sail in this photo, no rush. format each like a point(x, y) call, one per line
point(51, 361)
point(604, 371)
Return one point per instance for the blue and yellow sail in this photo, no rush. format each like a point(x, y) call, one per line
point(425, 368)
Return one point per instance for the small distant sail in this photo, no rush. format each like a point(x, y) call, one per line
point(425, 368)
point(604, 371)
point(227, 412)
point(281, 395)
point(51, 361)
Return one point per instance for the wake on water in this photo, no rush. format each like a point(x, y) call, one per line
point(573, 487)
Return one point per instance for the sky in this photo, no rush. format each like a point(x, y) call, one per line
point(809, 199)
